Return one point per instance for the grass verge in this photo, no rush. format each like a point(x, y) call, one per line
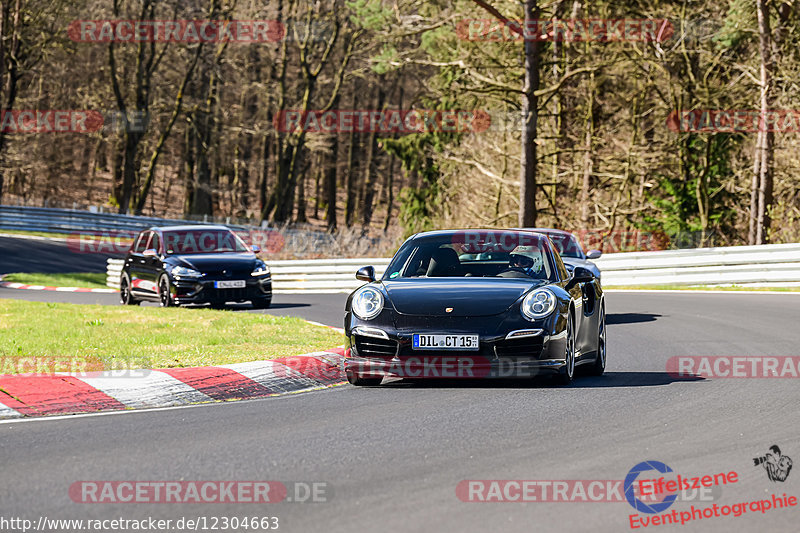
point(97, 337)
point(91, 280)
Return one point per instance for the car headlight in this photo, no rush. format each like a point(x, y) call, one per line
point(367, 303)
point(185, 272)
point(538, 304)
point(261, 269)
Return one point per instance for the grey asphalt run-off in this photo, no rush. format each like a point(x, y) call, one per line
point(394, 455)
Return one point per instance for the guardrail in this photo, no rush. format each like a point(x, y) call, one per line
point(776, 265)
point(289, 241)
point(54, 220)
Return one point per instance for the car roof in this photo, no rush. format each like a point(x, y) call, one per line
point(550, 230)
point(188, 227)
point(435, 233)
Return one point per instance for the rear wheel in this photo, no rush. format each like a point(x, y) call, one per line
point(164, 295)
point(125, 296)
point(568, 372)
point(599, 365)
point(359, 381)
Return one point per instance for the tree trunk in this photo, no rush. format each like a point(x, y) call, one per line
point(330, 182)
point(369, 173)
point(767, 137)
point(301, 199)
point(530, 113)
point(751, 236)
point(352, 168)
point(588, 160)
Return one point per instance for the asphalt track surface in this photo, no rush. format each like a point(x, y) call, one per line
point(393, 455)
point(50, 257)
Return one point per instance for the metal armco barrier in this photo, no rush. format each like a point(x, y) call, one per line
point(775, 265)
point(293, 242)
point(52, 220)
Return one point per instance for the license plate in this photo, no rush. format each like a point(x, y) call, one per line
point(230, 284)
point(445, 342)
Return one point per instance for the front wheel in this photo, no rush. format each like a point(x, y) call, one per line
point(359, 381)
point(164, 295)
point(125, 296)
point(599, 365)
point(263, 303)
point(568, 372)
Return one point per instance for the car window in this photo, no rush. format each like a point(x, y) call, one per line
point(141, 242)
point(567, 245)
point(562, 269)
point(202, 241)
point(153, 244)
point(482, 253)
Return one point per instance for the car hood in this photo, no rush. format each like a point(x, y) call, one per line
point(468, 297)
point(572, 262)
point(212, 262)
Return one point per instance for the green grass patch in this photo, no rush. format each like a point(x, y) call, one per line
point(109, 337)
point(91, 280)
point(702, 288)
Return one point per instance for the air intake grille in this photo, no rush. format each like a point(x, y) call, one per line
point(375, 347)
point(521, 347)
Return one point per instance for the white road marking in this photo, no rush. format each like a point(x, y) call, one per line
point(153, 389)
point(273, 375)
point(7, 412)
point(155, 409)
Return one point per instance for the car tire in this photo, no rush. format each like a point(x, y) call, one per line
point(359, 381)
point(261, 304)
point(164, 294)
point(599, 366)
point(567, 374)
point(125, 295)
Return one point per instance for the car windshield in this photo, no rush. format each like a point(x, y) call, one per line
point(478, 253)
point(202, 241)
point(567, 245)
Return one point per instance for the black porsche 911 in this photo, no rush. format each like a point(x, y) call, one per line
point(472, 304)
point(176, 265)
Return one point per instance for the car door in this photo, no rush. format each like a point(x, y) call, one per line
point(151, 264)
point(136, 261)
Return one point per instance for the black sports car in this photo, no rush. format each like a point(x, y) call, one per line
point(475, 303)
point(176, 265)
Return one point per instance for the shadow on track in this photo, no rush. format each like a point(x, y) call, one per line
point(630, 318)
point(609, 379)
point(242, 306)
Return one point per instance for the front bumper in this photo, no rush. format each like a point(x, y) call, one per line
point(202, 290)
point(519, 350)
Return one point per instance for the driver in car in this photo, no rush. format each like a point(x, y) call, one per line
point(520, 266)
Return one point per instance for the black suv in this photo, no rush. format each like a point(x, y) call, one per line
point(197, 264)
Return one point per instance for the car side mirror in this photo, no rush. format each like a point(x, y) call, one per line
point(256, 249)
point(593, 254)
point(579, 275)
point(150, 252)
point(366, 273)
